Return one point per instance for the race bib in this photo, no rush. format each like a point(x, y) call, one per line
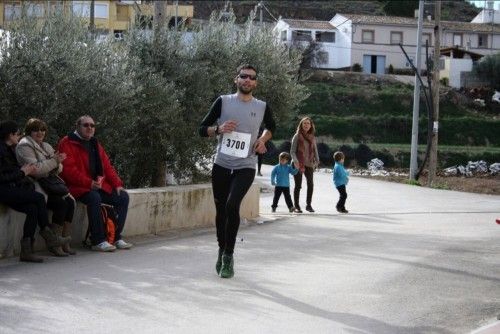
point(236, 144)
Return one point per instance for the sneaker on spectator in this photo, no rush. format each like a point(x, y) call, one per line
point(122, 244)
point(104, 247)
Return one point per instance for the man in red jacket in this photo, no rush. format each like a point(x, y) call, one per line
point(92, 180)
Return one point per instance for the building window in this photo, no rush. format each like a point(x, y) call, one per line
point(301, 35)
point(34, 10)
point(322, 57)
point(457, 39)
point(482, 41)
point(12, 11)
point(57, 8)
point(145, 21)
point(442, 64)
point(408, 63)
point(368, 36)
point(283, 35)
point(396, 37)
point(82, 9)
point(325, 36)
point(426, 38)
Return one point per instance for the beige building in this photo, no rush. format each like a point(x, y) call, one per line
point(111, 16)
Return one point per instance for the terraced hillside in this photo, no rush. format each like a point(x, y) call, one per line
point(458, 10)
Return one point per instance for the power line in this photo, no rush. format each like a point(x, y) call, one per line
point(263, 5)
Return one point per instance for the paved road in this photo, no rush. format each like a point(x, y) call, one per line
point(405, 260)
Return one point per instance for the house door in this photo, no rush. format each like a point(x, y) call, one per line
point(380, 65)
point(367, 64)
point(374, 64)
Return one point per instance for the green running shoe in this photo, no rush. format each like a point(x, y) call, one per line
point(227, 270)
point(218, 265)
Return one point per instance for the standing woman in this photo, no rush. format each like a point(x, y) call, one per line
point(305, 157)
point(17, 192)
point(33, 150)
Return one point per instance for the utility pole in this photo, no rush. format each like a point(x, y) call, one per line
point(92, 17)
point(176, 12)
point(260, 5)
point(435, 94)
point(159, 14)
point(416, 96)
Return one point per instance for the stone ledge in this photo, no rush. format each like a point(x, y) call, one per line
point(151, 211)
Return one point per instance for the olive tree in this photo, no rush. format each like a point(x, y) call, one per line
point(488, 69)
point(147, 93)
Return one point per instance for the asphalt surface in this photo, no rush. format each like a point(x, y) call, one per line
point(406, 259)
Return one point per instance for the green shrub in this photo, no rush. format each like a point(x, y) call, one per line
point(325, 154)
point(363, 155)
point(413, 183)
point(357, 68)
point(444, 81)
point(386, 157)
point(349, 155)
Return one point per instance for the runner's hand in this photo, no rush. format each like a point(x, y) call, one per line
point(260, 147)
point(228, 126)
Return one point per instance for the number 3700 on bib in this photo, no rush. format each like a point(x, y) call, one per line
point(236, 144)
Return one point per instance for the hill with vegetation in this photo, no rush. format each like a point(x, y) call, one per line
point(376, 111)
point(458, 10)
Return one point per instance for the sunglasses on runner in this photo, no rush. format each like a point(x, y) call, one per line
point(88, 125)
point(247, 76)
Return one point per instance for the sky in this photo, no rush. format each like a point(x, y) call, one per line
point(482, 3)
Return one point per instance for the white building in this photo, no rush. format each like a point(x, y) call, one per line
point(454, 61)
point(374, 40)
point(334, 51)
point(488, 15)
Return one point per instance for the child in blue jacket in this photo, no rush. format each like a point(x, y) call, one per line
point(281, 180)
point(340, 179)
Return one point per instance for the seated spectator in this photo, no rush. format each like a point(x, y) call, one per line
point(33, 150)
point(92, 180)
point(18, 192)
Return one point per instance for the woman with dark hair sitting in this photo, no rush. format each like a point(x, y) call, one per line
point(17, 192)
point(32, 149)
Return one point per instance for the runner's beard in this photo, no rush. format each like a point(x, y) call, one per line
point(245, 90)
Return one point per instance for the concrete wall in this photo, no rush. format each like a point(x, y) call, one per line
point(453, 68)
point(151, 211)
point(343, 40)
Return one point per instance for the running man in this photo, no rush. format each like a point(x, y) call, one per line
point(235, 119)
